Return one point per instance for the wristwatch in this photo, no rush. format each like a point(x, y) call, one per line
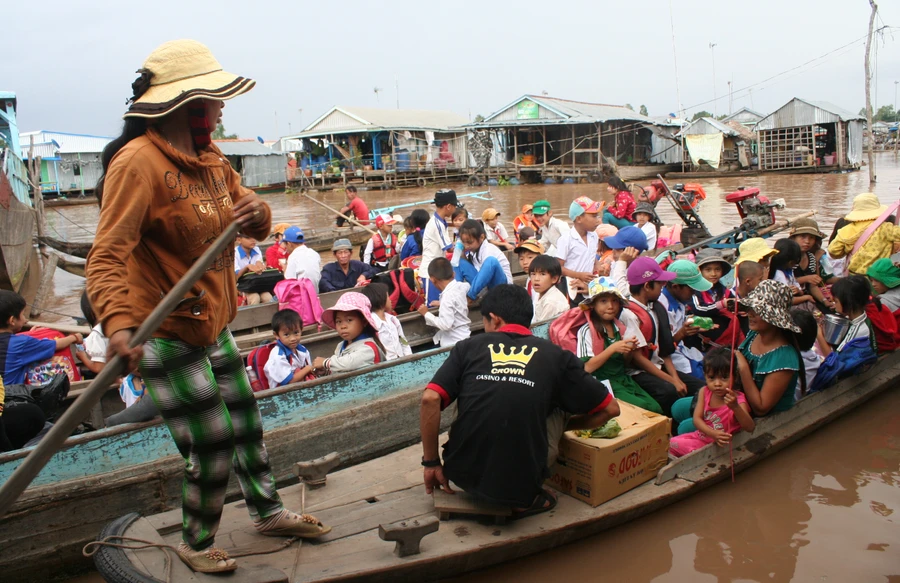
point(431, 463)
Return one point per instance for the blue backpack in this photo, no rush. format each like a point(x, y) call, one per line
point(853, 359)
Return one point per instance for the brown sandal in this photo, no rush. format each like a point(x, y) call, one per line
point(210, 560)
point(299, 525)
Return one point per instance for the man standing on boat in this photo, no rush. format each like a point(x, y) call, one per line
point(516, 395)
point(356, 208)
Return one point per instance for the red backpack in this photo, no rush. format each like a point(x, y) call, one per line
point(886, 325)
point(257, 360)
point(564, 329)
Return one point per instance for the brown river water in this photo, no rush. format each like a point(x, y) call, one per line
point(826, 509)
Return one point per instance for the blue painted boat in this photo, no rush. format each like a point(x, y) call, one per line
point(136, 468)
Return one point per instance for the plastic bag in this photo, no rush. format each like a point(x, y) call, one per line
point(610, 430)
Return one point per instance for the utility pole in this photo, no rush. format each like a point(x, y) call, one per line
point(712, 48)
point(675, 59)
point(397, 89)
point(869, 132)
point(730, 100)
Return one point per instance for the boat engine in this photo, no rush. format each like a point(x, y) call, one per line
point(756, 210)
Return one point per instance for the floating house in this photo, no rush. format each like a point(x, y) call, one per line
point(551, 138)
point(711, 142)
point(810, 136)
point(70, 163)
point(744, 116)
point(350, 143)
point(10, 151)
point(260, 167)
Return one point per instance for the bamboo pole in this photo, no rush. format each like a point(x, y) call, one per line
point(869, 96)
point(81, 408)
point(338, 213)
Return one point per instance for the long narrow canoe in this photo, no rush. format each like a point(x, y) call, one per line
point(358, 500)
point(110, 472)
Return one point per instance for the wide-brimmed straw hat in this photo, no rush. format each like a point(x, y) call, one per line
point(350, 302)
point(754, 249)
point(865, 208)
point(806, 227)
point(772, 301)
point(180, 71)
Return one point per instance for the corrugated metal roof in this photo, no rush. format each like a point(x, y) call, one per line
point(744, 113)
point(245, 148)
point(706, 125)
point(45, 151)
point(343, 120)
point(68, 143)
point(553, 110)
point(805, 112)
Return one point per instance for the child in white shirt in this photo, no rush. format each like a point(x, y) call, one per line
point(289, 361)
point(806, 341)
point(644, 214)
point(544, 273)
point(494, 229)
point(484, 266)
point(390, 331)
point(452, 320)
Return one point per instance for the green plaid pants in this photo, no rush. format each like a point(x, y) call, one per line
point(205, 398)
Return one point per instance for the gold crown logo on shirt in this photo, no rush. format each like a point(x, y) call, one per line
point(519, 358)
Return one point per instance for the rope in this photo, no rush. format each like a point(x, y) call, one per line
point(92, 547)
point(42, 309)
point(86, 230)
point(734, 332)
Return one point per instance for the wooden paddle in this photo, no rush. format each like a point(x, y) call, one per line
point(338, 213)
point(62, 429)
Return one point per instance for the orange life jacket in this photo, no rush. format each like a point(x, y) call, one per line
point(381, 253)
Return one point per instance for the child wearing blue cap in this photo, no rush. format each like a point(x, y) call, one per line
point(302, 261)
point(626, 245)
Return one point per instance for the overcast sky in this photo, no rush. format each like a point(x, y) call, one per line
point(72, 63)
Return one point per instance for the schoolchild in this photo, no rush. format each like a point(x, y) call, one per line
point(414, 225)
point(621, 212)
point(436, 238)
point(249, 259)
point(851, 294)
point(782, 269)
point(459, 216)
point(721, 410)
point(276, 256)
point(605, 256)
point(527, 251)
point(483, 266)
point(652, 365)
point(549, 228)
point(717, 302)
point(626, 245)
point(885, 279)
point(359, 347)
point(302, 262)
point(644, 216)
point(577, 248)
point(525, 220)
point(749, 274)
point(494, 229)
point(390, 330)
point(814, 269)
point(289, 361)
point(605, 345)
point(678, 297)
point(544, 273)
point(382, 246)
point(452, 320)
point(806, 341)
point(757, 250)
point(19, 352)
point(96, 344)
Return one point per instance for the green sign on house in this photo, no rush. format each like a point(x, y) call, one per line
point(527, 109)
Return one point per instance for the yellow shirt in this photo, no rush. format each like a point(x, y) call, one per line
point(880, 244)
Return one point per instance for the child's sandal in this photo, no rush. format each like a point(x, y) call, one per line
point(210, 560)
point(299, 525)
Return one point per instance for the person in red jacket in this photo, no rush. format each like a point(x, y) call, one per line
point(276, 255)
point(621, 212)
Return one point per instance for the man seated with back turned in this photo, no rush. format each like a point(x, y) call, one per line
point(516, 395)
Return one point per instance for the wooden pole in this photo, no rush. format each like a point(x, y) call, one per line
point(869, 131)
point(81, 408)
point(338, 213)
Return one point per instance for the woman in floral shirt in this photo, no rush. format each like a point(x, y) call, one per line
point(621, 212)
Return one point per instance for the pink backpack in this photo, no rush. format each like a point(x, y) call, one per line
point(300, 295)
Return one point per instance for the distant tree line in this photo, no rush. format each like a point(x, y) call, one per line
point(885, 113)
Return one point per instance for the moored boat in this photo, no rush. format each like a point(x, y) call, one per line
point(360, 500)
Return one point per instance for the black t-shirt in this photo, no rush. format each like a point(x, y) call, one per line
point(506, 384)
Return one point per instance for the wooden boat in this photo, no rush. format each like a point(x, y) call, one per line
point(20, 264)
point(316, 239)
point(105, 473)
point(358, 502)
point(70, 201)
point(71, 266)
point(712, 174)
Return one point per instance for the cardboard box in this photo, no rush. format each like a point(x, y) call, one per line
point(598, 470)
